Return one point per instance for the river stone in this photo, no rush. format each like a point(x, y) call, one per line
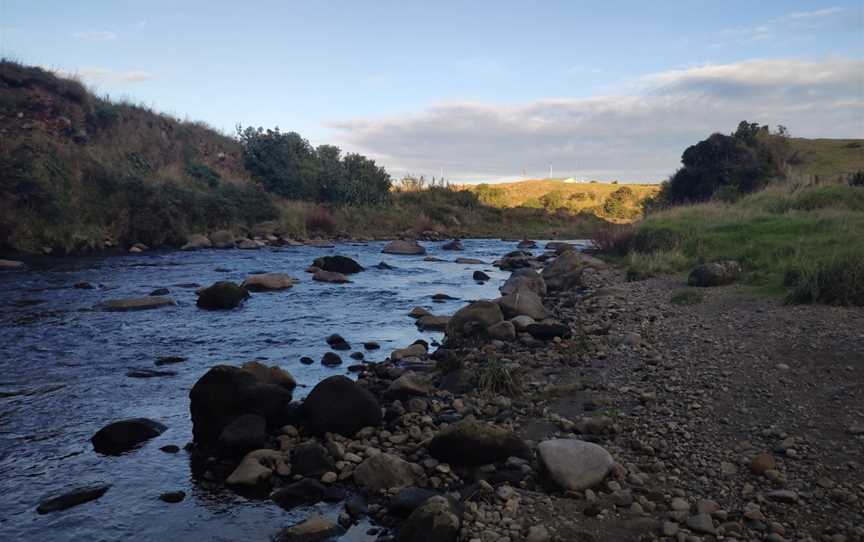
point(338, 264)
point(222, 239)
point(701, 523)
point(516, 260)
point(172, 497)
point(480, 276)
point(71, 498)
point(474, 319)
point(403, 247)
point(408, 385)
point(311, 530)
point(12, 265)
point(522, 322)
point(419, 312)
point(436, 520)
point(226, 392)
point(245, 433)
point(455, 244)
point(305, 491)
point(383, 471)
point(522, 280)
point(339, 405)
point(248, 244)
point(523, 303)
point(270, 375)
point(331, 359)
point(409, 499)
point(416, 350)
point(330, 276)
point(222, 295)
point(471, 442)
point(545, 332)
point(432, 322)
point(564, 272)
point(714, 274)
point(136, 303)
point(470, 261)
point(257, 468)
point(310, 459)
point(121, 436)
point(197, 241)
point(574, 465)
point(264, 282)
point(502, 331)
point(526, 244)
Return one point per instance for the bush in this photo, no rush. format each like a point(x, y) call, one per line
point(837, 281)
point(648, 241)
point(320, 220)
point(613, 239)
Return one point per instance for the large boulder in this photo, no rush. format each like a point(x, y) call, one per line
point(400, 246)
point(136, 303)
point(384, 471)
point(433, 322)
point(714, 274)
point(222, 295)
point(311, 530)
point(502, 331)
point(71, 498)
point(525, 279)
point(408, 385)
point(436, 520)
point(121, 436)
point(257, 467)
point(564, 272)
point(517, 259)
point(409, 499)
point(197, 241)
point(264, 282)
point(243, 434)
point(471, 442)
point(226, 392)
point(330, 276)
point(12, 265)
point(311, 459)
point(222, 239)
point(523, 303)
point(474, 319)
point(574, 465)
point(339, 405)
point(270, 375)
point(304, 491)
point(338, 264)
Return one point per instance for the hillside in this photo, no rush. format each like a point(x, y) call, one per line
point(826, 159)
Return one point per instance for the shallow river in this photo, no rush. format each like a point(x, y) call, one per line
point(63, 372)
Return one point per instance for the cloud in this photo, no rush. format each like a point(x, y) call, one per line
point(103, 75)
point(634, 137)
point(789, 24)
point(104, 35)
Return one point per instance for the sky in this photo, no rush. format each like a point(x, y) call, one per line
point(481, 90)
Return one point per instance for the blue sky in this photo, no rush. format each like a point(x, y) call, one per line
point(483, 89)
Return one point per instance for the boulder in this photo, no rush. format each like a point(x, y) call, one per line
point(525, 244)
point(222, 295)
point(436, 520)
point(472, 443)
point(714, 274)
point(474, 319)
point(502, 331)
point(311, 530)
point(243, 434)
point(523, 303)
point(226, 392)
point(574, 465)
point(455, 244)
point(248, 244)
point(330, 276)
point(331, 359)
point(564, 273)
point(545, 332)
point(409, 499)
point(382, 472)
point(305, 491)
point(521, 323)
point(339, 405)
point(470, 261)
point(121, 436)
point(419, 312)
point(160, 291)
point(71, 498)
point(480, 276)
point(338, 264)
point(257, 467)
point(517, 260)
point(400, 246)
point(525, 279)
point(311, 459)
point(416, 350)
point(270, 375)
point(197, 241)
point(12, 265)
point(172, 497)
point(264, 282)
point(136, 303)
point(433, 323)
point(408, 385)
point(222, 239)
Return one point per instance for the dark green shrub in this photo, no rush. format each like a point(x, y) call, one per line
point(837, 281)
point(656, 240)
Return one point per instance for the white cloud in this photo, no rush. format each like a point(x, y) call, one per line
point(633, 137)
point(790, 24)
point(827, 12)
point(103, 35)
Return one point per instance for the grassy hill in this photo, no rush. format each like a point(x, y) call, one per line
point(827, 159)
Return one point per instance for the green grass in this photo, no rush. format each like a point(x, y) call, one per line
point(827, 158)
point(687, 297)
point(772, 233)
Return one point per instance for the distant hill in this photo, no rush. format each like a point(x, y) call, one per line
point(827, 159)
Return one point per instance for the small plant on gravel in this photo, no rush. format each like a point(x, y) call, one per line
point(687, 297)
point(495, 378)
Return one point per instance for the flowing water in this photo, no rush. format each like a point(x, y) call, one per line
point(63, 366)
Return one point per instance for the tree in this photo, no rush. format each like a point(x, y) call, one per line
point(285, 164)
point(365, 181)
point(331, 171)
point(552, 200)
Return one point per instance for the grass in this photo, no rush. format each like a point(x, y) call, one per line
point(494, 377)
point(816, 233)
point(687, 297)
point(827, 159)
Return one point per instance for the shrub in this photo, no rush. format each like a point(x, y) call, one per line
point(203, 173)
point(838, 280)
point(320, 220)
point(614, 239)
point(655, 240)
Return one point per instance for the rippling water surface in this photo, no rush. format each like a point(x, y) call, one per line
point(63, 372)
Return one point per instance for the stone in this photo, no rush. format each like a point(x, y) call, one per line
point(12, 265)
point(338, 264)
point(257, 467)
point(382, 472)
point(474, 319)
point(525, 244)
point(222, 239)
point(330, 276)
point(136, 303)
point(524, 279)
point(523, 303)
point(148, 373)
point(172, 497)
point(564, 273)
point(121, 436)
point(409, 499)
point(701, 523)
point(371, 345)
point(470, 261)
point(413, 351)
point(270, 375)
point(197, 241)
point(419, 312)
point(436, 520)
point(470, 442)
point(538, 533)
point(245, 433)
point(408, 385)
point(311, 459)
point(762, 463)
point(403, 247)
point(339, 405)
point(311, 530)
point(455, 244)
point(545, 332)
point(432, 322)
point(266, 282)
point(521, 323)
point(331, 359)
point(783, 495)
point(480, 276)
point(222, 295)
point(71, 498)
point(305, 491)
point(714, 274)
point(502, 331)
point(247, 244)
point(574, 465)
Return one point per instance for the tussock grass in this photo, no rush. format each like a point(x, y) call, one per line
point(495, 378)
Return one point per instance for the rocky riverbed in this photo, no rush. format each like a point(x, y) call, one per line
point(576, 406)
